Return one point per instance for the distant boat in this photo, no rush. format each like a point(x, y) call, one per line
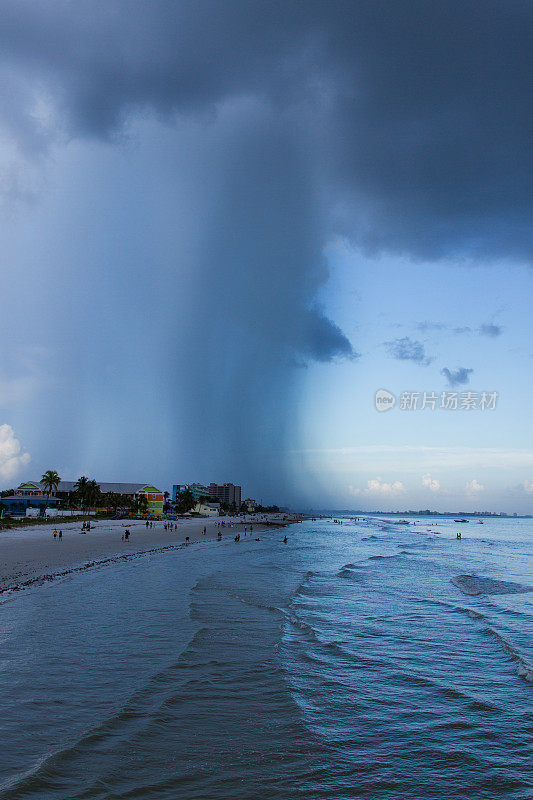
point(461, 520)
point(480, 522)
point(402, 522)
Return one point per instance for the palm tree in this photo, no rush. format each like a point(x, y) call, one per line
point(50, 481)
point(80, 487)
point(92, 493)
point(142, 504)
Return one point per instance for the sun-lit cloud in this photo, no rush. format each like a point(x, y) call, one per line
point(430, 483)
point(473, 487)
point(12, 456)
point(377, 488)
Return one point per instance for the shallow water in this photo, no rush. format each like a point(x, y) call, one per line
point(345, 664)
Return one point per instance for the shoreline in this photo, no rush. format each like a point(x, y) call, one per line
point(30, 556)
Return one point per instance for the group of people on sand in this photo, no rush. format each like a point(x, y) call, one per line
point(170, 526)
point(57, 534)
point(125, 535)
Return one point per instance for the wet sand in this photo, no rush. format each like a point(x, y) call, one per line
point(30, 556)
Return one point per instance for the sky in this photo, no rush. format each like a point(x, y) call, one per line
point(226, 226)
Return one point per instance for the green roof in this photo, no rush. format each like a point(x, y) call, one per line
point(30, 486)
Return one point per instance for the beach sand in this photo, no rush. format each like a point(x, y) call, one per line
point(30, 556)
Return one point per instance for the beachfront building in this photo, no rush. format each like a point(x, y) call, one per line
point(28, 495)
point(227, 493)
point(207, 509)
point(155, 499)
point(197, 490)
point(32, 494)
point(250, 505)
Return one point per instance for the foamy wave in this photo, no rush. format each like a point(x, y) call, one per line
point(523, 669)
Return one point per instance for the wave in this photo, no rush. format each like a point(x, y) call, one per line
point(474, 585)
point(524, 669)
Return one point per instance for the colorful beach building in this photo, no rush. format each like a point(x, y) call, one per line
point(155, 499)
point(27, 495)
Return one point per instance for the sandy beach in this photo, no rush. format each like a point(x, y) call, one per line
point(29, 556)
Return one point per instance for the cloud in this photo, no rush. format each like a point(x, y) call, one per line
point(468, 192)
point(324, 341)
point(457, 377)
point(431, 483)
point(528, 486)
point(285, 126)
point(472, 488)
point(407, 349)
point(12, 456)
point(491, 330)
point(462, 331)
point(377, 488)
point(430, 326)
point(488, 329)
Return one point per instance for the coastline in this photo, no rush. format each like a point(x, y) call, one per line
point(30, 556)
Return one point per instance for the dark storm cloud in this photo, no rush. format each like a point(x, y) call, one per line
point(457, 377)
point(325, 340)
point(406, 349)
point(421, 112)
point(406, 127)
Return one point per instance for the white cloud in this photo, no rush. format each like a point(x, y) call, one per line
point(376, 488)
point(12, 457)
point(473, 487)
point(431, 483)
point(528, 486)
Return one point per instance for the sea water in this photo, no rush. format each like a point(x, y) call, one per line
point(362, 660)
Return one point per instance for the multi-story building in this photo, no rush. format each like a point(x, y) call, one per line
point(228, 493)
point(196, 489)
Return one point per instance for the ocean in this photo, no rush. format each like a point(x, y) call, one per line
point(362, 660)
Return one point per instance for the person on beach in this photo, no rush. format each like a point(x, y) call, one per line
point(60, 534)
point(55, 534)
point(147, 523)
point(187, 540)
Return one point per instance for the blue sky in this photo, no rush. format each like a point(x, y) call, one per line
point(434, 454)
point(225, 226)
